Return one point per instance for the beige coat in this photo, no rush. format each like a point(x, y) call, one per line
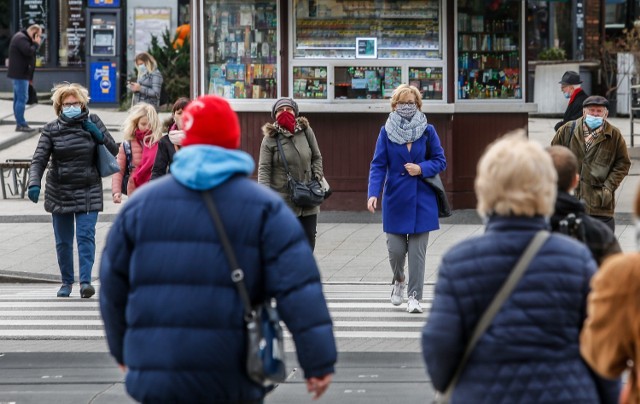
point(602, 168)
point(303, 158)
point(610, 338)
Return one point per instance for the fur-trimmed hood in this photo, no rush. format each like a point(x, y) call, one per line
point(272, 129)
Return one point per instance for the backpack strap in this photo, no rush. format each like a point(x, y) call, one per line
point(573, 127)
point(126, 145)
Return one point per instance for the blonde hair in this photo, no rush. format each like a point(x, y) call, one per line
point(148, 61)
point(64, 90)
point(34, 28)
point(136, 113)
point(516, 177)
point(402, 90)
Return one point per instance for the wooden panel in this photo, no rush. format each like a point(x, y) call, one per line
point(347, 142)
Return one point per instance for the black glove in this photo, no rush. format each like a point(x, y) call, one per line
point(93, 129)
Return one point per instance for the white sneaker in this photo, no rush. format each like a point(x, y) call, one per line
point(413, 305)
point(397, 293)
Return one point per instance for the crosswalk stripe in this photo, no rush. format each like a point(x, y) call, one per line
point(361, 313)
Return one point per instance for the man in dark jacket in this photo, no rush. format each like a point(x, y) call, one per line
point(596, 235)
point(173, 317)
point(22, 64)
point(603, 159)
point(570, 86)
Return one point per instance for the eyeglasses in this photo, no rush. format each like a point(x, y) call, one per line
point(71, 104)
point(407, 103)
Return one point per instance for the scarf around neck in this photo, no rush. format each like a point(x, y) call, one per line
point(402, 131)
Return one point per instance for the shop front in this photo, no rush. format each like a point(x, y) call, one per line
point(342, 59)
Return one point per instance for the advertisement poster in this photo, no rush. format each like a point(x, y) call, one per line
point(102, 88)
point(104, 3)
point(150, 22)
point(73, 33)
point(35, 12)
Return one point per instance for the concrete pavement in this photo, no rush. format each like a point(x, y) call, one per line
point(351, 246)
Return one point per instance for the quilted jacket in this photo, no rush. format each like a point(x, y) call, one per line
point(172, 313)
point(150, 89)
point(530, 353)
point(602, 168)
point(73, 183)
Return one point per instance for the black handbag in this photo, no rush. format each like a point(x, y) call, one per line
point(305, 195)
point(126, 146)
point(435, 183)
point(33, 95)
point(264, 340)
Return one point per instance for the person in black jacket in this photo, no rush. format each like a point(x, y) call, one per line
point(598, 237)
point(22, 64)
point(570, 84)
point(73, 186)
point(171, 143)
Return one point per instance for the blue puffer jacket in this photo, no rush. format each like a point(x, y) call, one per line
point(530, 353)
point(171, 311)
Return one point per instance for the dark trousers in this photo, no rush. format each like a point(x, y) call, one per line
point(608, 220)
point(309, 224)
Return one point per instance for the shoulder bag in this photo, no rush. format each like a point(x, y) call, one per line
point(435, 183)
point(126, 146)
point(305, 195)
point(106, 162)
point(487, 317)
point(265, 347)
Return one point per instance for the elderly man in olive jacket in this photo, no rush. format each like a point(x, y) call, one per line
point(603, 161)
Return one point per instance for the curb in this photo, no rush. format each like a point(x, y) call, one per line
point(20, 137)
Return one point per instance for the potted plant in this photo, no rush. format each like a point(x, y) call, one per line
point(620, 59)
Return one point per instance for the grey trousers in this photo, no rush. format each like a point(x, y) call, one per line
point(416, 247)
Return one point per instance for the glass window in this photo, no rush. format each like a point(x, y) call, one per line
point(489, 51)
point(72, 33)
point(366, 82)
point(428, 80)
point(404, 29)
point(241, 48)
point(36, 12)
point(310, 82)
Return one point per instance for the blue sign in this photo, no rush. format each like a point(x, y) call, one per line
point(103, 82)
point(104, 3)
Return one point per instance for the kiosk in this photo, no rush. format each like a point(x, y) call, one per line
point(103, 54)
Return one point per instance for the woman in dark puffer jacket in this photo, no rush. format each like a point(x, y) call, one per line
point(74, 186)
point(530, 352)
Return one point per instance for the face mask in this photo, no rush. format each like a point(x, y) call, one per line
point(71, 112)
point(142, 69)
point(567, 95)
point(287, 120)
point(593, 122)
point(407, 111)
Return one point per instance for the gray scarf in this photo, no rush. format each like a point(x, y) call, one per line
point(401, 130)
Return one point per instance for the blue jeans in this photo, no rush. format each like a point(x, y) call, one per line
point(86, 239)
point(20, 97)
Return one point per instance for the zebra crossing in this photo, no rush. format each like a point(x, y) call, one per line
point(359, 311)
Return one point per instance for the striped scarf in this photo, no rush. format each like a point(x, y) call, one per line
point(590, 136)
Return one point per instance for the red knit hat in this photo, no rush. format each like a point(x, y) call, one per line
point(210, 120)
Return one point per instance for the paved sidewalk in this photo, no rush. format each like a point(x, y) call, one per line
point(351, 246)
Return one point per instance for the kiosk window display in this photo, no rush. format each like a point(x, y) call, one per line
point(399, 29)
point(241, 48)
point(489, 39)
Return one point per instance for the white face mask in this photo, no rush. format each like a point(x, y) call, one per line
point(142, 69)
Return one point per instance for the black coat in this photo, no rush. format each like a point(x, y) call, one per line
point(164, 158)
point(599, 238)
point(574, 109)
point(73, 182)
point(22, 57)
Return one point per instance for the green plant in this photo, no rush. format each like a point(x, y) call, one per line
point(175, 66)
point(552, 54)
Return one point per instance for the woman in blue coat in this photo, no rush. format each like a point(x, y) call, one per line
point(408, 150)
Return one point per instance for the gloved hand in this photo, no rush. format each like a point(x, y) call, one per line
point(93, 129)
point(34, 193)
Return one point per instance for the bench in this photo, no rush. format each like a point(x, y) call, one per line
point(13, 176)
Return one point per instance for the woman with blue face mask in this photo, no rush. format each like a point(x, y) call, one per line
point(408, 149)
point(148, 86)
point(73, 192)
